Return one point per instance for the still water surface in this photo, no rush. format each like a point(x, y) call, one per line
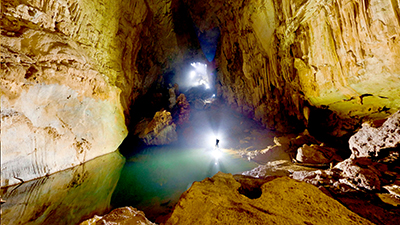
point(154, 179)
point(66, 197)
point(151, 181)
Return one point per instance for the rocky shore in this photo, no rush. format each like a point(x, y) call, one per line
point(362, 189)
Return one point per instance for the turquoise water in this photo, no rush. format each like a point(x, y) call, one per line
point(154, 179)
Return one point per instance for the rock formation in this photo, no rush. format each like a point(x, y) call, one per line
point(72, 69)
point(69, 72)
point(316, 154)
point(159, 131)
point(125, 215)
point(183, 110)
point(369, 141)
point(220, 200)
point(276, 57)
point(373, 167)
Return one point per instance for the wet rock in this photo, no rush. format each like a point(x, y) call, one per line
point(217, 200)
point(369, 141)
point(120, 216)
point(316, 154)
point(159, 131)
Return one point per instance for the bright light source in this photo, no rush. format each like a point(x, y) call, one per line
point(193, 74)
point(216, 153)
point(211, 140)
point(200, 76)
point(213, 96)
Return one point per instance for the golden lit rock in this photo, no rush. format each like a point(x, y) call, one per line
point(217, 200)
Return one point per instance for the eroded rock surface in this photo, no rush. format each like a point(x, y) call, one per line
point(57, 110)
point(369, 141)
point(217, 200)
point(277, 57)
point(120, 216)
point(69, 72)
point(159, 131)
point(372, 168)
point(316, 154)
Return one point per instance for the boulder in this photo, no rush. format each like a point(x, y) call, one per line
point(121, 216)
point(369, 141)
point(159, 131)
point(316, 154)
point(362, 173)
point(220, 200)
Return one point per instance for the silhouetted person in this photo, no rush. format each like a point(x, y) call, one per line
point(216, 143)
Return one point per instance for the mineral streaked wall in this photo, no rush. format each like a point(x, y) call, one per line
point(278, 56)
point(69, 70)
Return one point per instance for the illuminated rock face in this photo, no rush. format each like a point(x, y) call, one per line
point(279, 56)
point(369, 141)
point(159, 131)
point(69, 71)
point(223, 200)
point(125, 215)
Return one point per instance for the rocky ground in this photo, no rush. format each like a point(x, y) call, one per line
point(299, 180)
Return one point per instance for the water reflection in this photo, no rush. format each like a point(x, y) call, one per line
point(154, 180)
point(66, 197)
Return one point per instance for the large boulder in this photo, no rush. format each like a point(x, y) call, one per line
point(159, 131)
point(361, 173)
point(317, 154)
point(221, 200)
point(369, 141)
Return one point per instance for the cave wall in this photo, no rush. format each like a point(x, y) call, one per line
point(278, 59)
point(69, 72)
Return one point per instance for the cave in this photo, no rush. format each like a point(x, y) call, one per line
point(200, 112)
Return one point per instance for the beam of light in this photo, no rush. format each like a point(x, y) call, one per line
point(216, 153)
point(199, 76)
point(193, 74)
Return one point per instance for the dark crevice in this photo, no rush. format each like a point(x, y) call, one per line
point(250, 186)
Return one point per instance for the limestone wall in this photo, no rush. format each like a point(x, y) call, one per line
point(276, 57)
point(69, 71)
